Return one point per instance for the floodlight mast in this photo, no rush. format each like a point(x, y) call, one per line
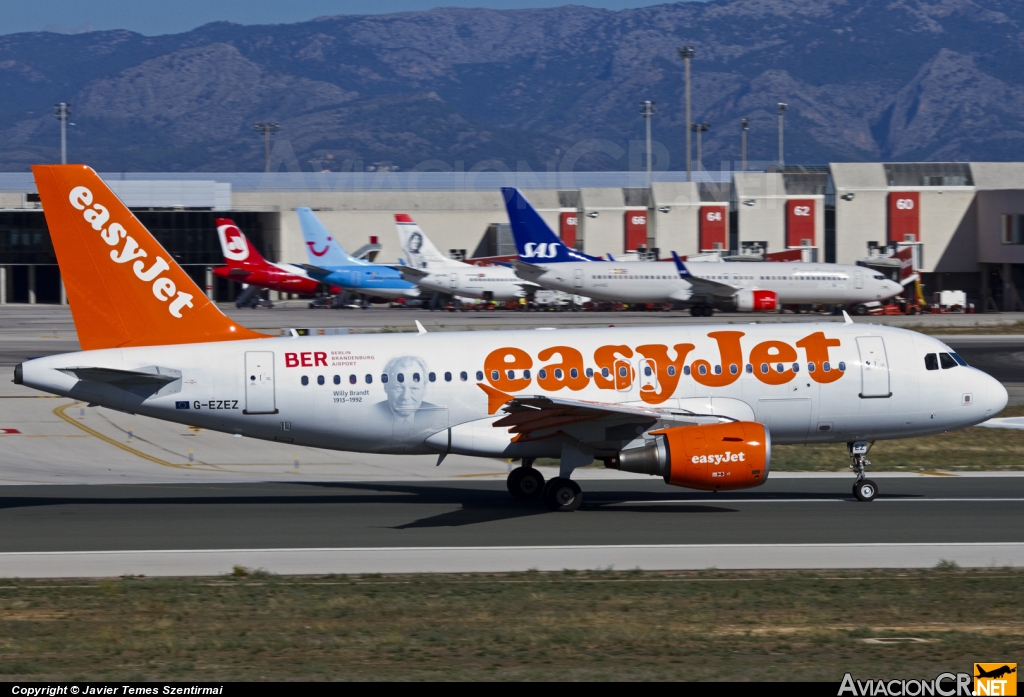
point(782, 118)
point(700, 128)
point(62, 111)
point(647, 111)
point(744, 127)
point(686, 53)
point(266, 129)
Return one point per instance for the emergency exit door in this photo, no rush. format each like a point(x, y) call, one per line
point(259, 383)
point(874, 367)
point(577, 281)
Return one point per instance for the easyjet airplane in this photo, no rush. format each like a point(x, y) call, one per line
point(697, 406)
point(246, 265)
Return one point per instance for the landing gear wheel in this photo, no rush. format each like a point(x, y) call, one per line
point(865, 490)
point(708, 311)
point(696, 311)
point(561, 494)
point(525, 483)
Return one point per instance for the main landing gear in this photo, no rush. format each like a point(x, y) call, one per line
point(702, 310)
point(558, 493)
point(864, 489)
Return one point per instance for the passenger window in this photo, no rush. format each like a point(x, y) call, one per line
point(764, 368)
point(686, 370)
point(511, 374)
point(320, 379)
point(573, 373)
point(401, 377)
point(558, 373)
point(826, 366)
point(526, 374)
point(543, 374)
point(605, 372)
point(842, 366)
point(750, 368)
point(718, 370)
point(947, 361)
point(352, 379)
point(495, 375)
point(623, 372)
point(931, 362)
point(448, 377)
point(671, 371)
point(432, 377)
point(305, 380)
point(337, 379)
point(734, 369)
point(463, 376)
point(384, 378)
point(647, 371)
point(479, 375)
point(589, 372)
point(369, 379)
point(810, 367)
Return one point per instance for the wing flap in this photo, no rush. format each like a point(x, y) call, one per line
point(153, 375)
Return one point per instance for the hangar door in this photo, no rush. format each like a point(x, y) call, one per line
point(259, 382)
point(874, 367)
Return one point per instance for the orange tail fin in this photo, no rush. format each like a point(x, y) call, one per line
point(123, 287)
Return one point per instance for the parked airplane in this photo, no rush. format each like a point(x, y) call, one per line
point(746, 286)
point(330, 263)
point(698, 406)
point(434, 272)
point(247, 266)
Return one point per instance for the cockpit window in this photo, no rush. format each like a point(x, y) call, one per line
point(931, 362)
point(947, 361)
point(961, 361)
point(879, 277)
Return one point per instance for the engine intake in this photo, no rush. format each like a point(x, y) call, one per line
point(735, 455)
point(757, 300)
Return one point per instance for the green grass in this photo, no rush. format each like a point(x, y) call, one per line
point(967, 449)
point(708, 625)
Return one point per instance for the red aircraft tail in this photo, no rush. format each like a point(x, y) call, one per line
point(237, 249)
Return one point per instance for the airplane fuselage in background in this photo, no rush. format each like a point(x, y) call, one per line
point(482, 282)
point(820, 382)
point(793, 283)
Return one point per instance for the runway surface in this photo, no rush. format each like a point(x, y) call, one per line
point(426, 514)
point(477, 527)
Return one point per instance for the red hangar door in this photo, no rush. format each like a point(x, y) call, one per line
point(800, 222)
point(635, 223)
point(905, 216)
point(712, 228)
point(567, 224)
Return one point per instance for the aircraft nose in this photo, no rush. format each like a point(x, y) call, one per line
point(996, 396)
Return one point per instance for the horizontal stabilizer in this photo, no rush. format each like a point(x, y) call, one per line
point(409, 273)
point(145, 376)
point(316, 272)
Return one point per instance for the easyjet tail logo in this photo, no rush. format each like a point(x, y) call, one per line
point(115, 235)
point(542, 250)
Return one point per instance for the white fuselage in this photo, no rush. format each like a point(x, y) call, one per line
point(328, 392)
point(659, 281)
point(481, 282)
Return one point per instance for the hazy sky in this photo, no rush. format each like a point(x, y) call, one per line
point(152, 18)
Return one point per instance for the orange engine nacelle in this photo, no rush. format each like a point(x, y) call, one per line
point(732, 455)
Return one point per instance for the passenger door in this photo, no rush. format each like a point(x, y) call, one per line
point(874, 367)
point(577, 281)
point(259, 383)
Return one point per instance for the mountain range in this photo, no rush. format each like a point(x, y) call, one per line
point(864, 80)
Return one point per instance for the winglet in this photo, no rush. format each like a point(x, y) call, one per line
point(496, 399)
point(683, 271)
point(610, 257)
point(419, 328)
point(846, 317)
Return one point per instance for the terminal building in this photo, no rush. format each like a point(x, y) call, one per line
point(964, 221)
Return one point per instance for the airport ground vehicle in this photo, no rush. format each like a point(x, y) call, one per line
point(699, 407)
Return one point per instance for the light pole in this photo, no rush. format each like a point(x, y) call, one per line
point(63, 111)
point(782, 119)
point(647, 111)
point(266, 129)
point(744, 127)
point(686, 53)
point(699, 128)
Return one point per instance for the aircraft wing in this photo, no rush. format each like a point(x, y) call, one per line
point(410, 273)
point(527, 270)
point(113, 376)
point(534, 417)
point(317, 272)
point(703, 286)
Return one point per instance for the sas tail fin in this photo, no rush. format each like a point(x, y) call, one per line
point(417, 246)
point(535, 241)
point(236, 247)
point(321, 247)
point(681, 267)
point(123, 287)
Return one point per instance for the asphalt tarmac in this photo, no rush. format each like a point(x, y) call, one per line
point(950, 509)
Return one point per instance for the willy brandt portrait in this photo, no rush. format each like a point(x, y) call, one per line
point(405, 384)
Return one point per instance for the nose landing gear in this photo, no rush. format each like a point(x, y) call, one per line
point(864, 489)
